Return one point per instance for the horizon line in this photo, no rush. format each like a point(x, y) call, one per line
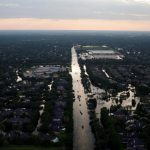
point(74, 30)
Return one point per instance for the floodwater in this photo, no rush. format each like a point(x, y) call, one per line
point(36, 132)
point(50, 85)
point(18, 77)
point(83, 138)
point(41, 111)
point(97, 93)
point(103, 70)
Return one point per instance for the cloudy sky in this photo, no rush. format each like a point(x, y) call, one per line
point(75, 14)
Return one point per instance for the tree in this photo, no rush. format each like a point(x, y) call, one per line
point(104, 117)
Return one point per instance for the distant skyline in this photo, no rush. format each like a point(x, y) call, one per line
point(75, 15)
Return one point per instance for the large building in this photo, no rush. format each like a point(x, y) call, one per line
point(99, 52)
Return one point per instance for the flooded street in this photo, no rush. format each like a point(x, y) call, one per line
point(83, 138)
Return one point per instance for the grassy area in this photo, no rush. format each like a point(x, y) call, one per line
point(29, 148)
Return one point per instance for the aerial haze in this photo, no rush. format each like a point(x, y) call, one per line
point(75, 15)
point(74, 74)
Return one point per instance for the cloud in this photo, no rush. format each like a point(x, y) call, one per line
point(8, 5)
point(122, 16)
point(76, 9)
point(141, 1)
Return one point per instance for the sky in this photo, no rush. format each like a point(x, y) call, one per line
point(75, 15)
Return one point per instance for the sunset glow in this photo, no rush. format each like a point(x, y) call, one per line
point(86, 24)
point(75, 15)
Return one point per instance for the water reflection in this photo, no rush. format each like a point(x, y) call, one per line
point(83, 138)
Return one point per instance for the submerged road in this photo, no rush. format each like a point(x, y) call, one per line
point(83, 138)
